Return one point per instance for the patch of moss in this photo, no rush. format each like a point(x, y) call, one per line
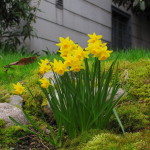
point(4, 96)
point(2, 123)
point(132, 117)
point(138, 78)
point(110, 141)
point(78, 142)
point(9, 136)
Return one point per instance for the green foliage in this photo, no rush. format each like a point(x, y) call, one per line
point(16, 19)
point(104, 140)
point(137, 6)
point(82, 100)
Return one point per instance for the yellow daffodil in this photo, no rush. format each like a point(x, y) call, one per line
point(18, 88)
point(64, 43)
point(44, 61)
point(76, 65)
point(45, 66)
point(94, 38)
point(68, 60)
point(45, 83)
point(59, 67)
point(80, 53)
point(97, 48)
point(104, 54)
point(66, 46)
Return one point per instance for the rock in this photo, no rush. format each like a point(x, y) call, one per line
point(48, 75)
point(7, 110)
point(118, 94)
point(16, 100)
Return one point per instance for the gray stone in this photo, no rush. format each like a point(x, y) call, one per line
point(16, 100)
point(49, 75)
point(7, 110)
point(118, 94)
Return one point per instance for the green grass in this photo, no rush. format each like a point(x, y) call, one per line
point(131, 55)
point(17, 73)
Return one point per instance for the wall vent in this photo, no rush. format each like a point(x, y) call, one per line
point(59, 4)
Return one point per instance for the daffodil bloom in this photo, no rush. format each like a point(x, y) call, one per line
point(44, 61)
point(80, 53)
point(94, 38)
point(18, 88)
point(64, 43)
point(45, 66)
point(76, 65)
point(68, 60)
point(45, 83)
point(101, 53)
point(66, 46)
point(59, 67)
point(104, 54)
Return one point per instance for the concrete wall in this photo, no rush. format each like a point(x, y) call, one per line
point(77, 19)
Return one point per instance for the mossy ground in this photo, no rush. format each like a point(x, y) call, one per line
point(133, 110)
point(106, 140)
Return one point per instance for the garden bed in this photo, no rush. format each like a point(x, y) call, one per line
point(133, 109)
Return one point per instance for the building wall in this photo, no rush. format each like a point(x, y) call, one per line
point(140, 30)
point(76, 20)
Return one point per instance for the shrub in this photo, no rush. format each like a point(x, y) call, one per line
point(16, 19)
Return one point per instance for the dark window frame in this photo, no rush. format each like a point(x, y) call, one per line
point(59, 4)
point(121, 29)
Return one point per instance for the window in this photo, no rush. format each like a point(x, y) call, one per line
point(59, 4)
point(121, 29)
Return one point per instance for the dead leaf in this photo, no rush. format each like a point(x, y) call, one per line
point(23, 61)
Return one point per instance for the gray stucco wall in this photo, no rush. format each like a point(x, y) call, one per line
point(76, 20)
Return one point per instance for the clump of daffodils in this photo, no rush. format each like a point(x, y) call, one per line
point(97, 48)
point(73, 55)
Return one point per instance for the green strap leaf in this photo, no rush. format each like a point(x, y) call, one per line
point(119, 121)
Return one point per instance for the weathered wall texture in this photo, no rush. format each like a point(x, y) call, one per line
point(76, 19)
